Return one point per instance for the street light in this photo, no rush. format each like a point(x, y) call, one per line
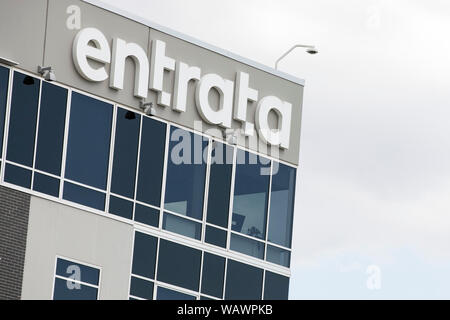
point(309, 49)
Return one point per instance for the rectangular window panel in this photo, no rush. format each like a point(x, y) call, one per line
point(125, 153)
point(89, 141)
point(84, 196)
point(282, 204)
point(182, 226)
point(146, 215)
point(87, 274)
point(167, 294)
point(52, 119)
point(251, 194)
point(69, 290)
point(141, 288)
point(179, 265)
point(22, 120)
point(276, 286)
point(18, 176)
point(244, 282)
point(45, 184)
point(213, 275)
point(151, 161)
point(216, 236)
point(186, 168)
point(278, 256)
point(247, 246)
point(120, 207)
point(144, 255)
point(4, 81)
point(220, 184)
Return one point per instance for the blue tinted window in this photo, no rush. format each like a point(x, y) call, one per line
point(22, 123)
point(125, 153)
point(67, 290)
point(52, 118)
point(182, 226)
point(141, 288)
point(147, 215)
point(179, 265)
point(89, 141)
point(18, 176)
point(282, 204)
point(4, 80)
point(220, 184)
point(251, 195)
point(151, 161)
point(120, 207)
point(216, 236)
point(278, 256)
point(213, 275)
point(144, 255)
point(45, 184)
point(276, 287)
point(87, 274)
point(185, 183)
point(84, 196)
point(244, 282)
point(247, 246)
point(167, 294)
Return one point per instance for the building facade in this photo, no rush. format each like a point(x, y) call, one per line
point(138, 163)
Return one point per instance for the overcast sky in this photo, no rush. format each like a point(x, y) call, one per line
point(374, 178)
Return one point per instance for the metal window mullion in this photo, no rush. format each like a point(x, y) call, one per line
point(269, 196)
point(111, 157)
point(137, 166)
point(66, 140)
point(201, 272)
point(156, 269)
point(231, 201)
point(6, 126)
point(206, 191)
point(36, 133)
point(164, 178)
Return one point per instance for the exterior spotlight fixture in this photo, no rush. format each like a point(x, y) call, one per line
point(8, 62)
point(28, 81)
point(130, 115)
point(148, 108)
point(309, 49)
point(47, 73)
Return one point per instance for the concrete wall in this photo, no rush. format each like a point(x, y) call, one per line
point(14, 207)
point(59, 230)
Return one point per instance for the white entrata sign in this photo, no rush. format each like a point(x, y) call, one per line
point(91, 44)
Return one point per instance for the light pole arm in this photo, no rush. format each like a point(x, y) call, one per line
point(289, 51)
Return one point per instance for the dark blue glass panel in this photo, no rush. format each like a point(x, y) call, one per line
point(282, 204)
point(69, 269)
point(45, 184)
point(205, 298)
point(278, 256)
point(182, 226)
point(125, 153)
point(18, 176)
point(144, 255)
point(84, 196)
point(244, 282)
point(276, 287)
point(179, 265)
point(251, 195)
point(4, 80)
point(120, 207)
point(147, 215)
point(213, 275)
point(22, 120)
point(216, 236)
point(247, 246)
point(220, 184)
point(186, 167)
point(63, 291)
point(89, 141)
point(151, 161)
point(52, 119)
point(167, 294)
point(141, 288)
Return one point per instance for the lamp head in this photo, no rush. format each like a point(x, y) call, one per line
point(312, 50)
